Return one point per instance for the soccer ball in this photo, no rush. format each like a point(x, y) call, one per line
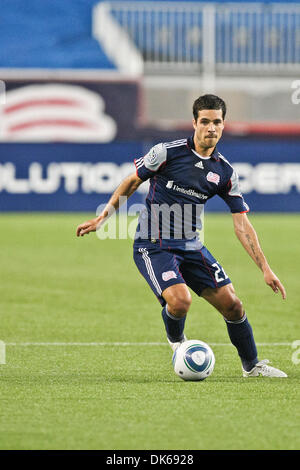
point(193, 360)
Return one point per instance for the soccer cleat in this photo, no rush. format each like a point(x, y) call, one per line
point(261, 368)
point(174, 346)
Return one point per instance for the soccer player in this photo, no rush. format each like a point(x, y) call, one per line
point(183, 175)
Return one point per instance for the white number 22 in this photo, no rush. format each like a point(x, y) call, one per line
point(218, 271)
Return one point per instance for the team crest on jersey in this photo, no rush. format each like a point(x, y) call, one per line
point(213, 177)
point(167, 275)
point(152, 157)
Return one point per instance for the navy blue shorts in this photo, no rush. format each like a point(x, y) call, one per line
point(163, 268)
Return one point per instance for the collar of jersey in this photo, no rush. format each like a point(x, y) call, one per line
point(191, 146)
point(200, 156)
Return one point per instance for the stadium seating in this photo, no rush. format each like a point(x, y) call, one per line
point(49, 34)
point(58, 34)
point(245, 33)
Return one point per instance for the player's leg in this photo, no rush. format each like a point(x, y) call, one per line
point(178, 300)
point(160, 268)
point(205, 276)
point(239, 329)
point(225, 300)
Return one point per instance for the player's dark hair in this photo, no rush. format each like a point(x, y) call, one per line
point(208, 102)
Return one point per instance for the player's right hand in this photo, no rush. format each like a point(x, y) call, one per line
point(87, 227)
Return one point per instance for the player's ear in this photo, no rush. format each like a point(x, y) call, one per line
point(194, 124)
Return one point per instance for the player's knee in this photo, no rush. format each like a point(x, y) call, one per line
point(233, 310)
point(179, 305)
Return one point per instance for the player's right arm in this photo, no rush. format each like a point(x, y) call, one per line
point(126, 188)
point(146, 167)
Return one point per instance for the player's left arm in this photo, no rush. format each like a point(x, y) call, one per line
point(249, 239)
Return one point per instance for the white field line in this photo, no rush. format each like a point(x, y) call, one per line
point(126, 344)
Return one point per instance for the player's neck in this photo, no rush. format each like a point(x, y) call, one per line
point(204, 151)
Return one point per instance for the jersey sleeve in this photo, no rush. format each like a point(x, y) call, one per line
point(147, 166)
point(232, 195)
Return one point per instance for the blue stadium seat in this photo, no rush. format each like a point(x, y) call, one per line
point(49, 34)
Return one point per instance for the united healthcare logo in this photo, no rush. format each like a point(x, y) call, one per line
point(188, 192)
point(55, 112)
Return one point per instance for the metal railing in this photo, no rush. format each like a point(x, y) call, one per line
point(213, 37)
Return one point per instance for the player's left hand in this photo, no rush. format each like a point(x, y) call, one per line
point(272, 280)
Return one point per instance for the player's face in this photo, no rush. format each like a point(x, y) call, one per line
point(208, 128)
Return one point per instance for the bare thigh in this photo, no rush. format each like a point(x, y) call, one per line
point(225, 300)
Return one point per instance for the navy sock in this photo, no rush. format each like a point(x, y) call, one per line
point(174, 326)
point(241, 336)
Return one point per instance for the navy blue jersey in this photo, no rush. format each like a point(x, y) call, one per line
point(181, 182)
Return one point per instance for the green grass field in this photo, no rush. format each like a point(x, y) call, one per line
point(59, 289)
